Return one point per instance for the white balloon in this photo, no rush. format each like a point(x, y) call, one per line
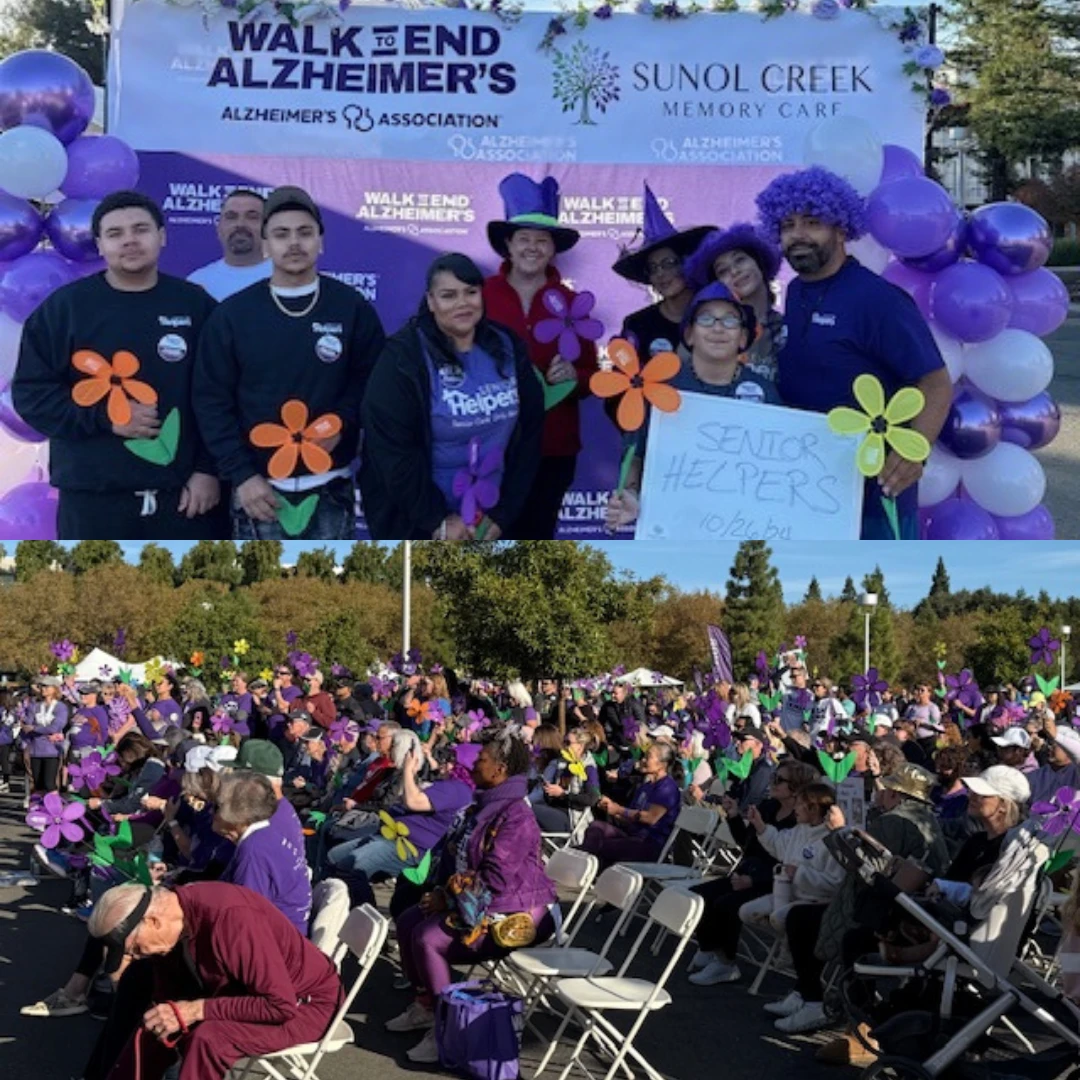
point(1007, 482)
point(1014, 366)
point(870, 253)
point(952, 351)
point(849, 147)
point(10, 338)
point(940, 478)
point(33, 162)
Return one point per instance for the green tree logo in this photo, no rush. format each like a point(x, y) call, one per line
point(585, 78)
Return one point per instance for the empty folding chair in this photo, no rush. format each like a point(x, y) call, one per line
point(363, 934)
point(589, 999)
point(329, 910)
point(580, 820)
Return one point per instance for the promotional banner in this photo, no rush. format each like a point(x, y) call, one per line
point(722, 469)
point(401, 123)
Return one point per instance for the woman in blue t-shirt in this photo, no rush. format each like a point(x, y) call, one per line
point(452, 404)
point(718, 330)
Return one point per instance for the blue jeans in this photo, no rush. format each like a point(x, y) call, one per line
point(334, 517)
point(356, 861)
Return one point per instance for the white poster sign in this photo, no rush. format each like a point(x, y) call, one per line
point(851, 798)
point(723, 469)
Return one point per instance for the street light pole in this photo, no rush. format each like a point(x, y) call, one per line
point(406, 598)
point(1066, 631)
point(869, 603)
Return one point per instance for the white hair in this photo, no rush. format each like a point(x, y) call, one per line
point(404, 743)
point(519, 695)
point(115, 905)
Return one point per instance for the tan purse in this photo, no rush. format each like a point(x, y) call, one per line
point(514, 932)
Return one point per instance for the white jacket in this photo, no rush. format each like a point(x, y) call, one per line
point(818, 874)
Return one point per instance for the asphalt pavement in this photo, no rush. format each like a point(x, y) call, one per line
point(1061, 459)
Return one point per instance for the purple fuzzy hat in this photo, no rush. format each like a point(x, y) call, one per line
point(740, 237)
point(813, 191)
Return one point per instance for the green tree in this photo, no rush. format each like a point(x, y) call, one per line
point(813, 591)
point(87, 554)
point(848, 595)
point(260, 560)
point(366, 561)
point(938, 601)
point(1000, 653)
point(33, 556)
point(212, 560)
point(76, 28)
point(157, 564)
point(319, 563)
point(753, 605)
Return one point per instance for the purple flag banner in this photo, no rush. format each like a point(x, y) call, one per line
point(721, 654)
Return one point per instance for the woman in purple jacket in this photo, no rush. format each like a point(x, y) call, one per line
point(492, 857)
point(44, 735)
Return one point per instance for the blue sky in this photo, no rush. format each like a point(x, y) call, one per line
point(1053, 566)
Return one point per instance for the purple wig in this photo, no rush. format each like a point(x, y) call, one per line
point(814, 191)
point(740, 237)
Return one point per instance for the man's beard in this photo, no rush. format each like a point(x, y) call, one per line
point(241, 243)
point(809, 259)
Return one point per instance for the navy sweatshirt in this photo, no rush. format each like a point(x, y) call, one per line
point(254, 358)
point(161, 327)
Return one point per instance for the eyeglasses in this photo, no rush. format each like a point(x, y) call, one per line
point(662, 265)
point(728, 322)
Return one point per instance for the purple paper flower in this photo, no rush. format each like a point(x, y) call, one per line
point(866, 690)
point(62, 650)
point(57, 820)
point(929, 57)
point(344, 730)
point(826, 9)
point(303, 663)
point(105, 671)
point(618, 670)
point(119, 712)
point(1043, 647)
point(570, 323)
point(435, 669)
point(1063, 810)
point(940, 97)
point(476, 485)
point(761, 666)
point(290, 639)
point(910, 32)
point(604, 11)
point(222, 723)
point(381, 687)
point(340, 671)
point(120, 642)
point(645, 7)
point(803, 699)
point(964, 689)
point(800, 641)
point(476, 720)
point(93, 770)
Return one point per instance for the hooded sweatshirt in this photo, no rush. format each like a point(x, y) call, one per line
point(818, 875)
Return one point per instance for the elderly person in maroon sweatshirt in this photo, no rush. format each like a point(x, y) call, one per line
point(264, 987)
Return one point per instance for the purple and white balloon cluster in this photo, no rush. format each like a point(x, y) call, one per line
point(51, 178)
point(980, 280)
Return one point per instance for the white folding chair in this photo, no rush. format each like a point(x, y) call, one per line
point(329, 910)
point(535, 969)
point(588, 999)
point(574, 871)
point(580, 820)
point(364, 935)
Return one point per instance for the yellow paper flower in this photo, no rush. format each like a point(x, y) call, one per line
point(155, 672)
point(575, 768)
point(880, 423)
point(397, 832)
point(240, 647)
point(266, 674)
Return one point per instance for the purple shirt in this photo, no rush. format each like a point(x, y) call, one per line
point(46, 724)
point(663, 793)
point(82, 734)
point(427, 829)
point(169, 711)
point(242, 701)
point(270, 860)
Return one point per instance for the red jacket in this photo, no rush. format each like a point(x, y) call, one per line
point(322, 708)
point(562, 437)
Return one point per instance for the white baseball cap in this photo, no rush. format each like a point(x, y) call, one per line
point(662, 731)
point(1001, 780)
point(1069, 741)
point(1013, 736)
point(214, 758)
point(880, 720)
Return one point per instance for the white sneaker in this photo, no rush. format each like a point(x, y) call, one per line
point(426, 1051)
point(56, 1004)
point(809, 1018)
point(416, 1017)
point(701, 960)
point(53, 861)
point(791, 1004)
point(715, 973)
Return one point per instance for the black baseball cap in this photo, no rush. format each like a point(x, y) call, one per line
point(291, 198)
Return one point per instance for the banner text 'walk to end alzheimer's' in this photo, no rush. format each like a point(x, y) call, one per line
point(453, 85)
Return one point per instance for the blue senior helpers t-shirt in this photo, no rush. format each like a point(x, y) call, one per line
point(469, 401)
point(851, 324)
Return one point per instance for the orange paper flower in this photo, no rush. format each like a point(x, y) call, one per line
point(114, 379)
point(296, 439)
point(418, 710)
point(636, 384)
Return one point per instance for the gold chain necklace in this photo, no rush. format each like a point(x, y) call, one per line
point(297, 314)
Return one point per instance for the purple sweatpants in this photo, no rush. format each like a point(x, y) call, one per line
point(611, 845)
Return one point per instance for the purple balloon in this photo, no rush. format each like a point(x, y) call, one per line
point(959, 519)
point(29, 280)
point(20, 227)
point(1009, 237)
point(1037, 524)
point(973, 426)
point(915, 283)
point(14, 423)
point(99, 165)
point(69, 229)
point(1040, 302)
point(47, 90)
point(899, 163)
point(970, 301)
point(1031, 424)
point(949, 253)
point(28, 512)
point(912, 217)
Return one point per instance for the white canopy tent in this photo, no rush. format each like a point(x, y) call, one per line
point(1074, 689)
point(644, 677)
point(98, 664)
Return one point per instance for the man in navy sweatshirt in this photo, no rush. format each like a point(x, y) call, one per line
point(105, 371)
point(282, 371)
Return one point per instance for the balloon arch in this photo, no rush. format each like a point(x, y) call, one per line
point(979, 279)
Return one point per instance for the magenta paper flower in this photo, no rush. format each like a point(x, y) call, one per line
point(56, 819)
point(800, 641)
point(475, 721)
point(1063, 810)
point(1043, 647)
point(866, 690)
point(475, 485)
point(222, 723)
point(571, 323)
point(344, 730)
point(93, 770)
point(964, 689)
